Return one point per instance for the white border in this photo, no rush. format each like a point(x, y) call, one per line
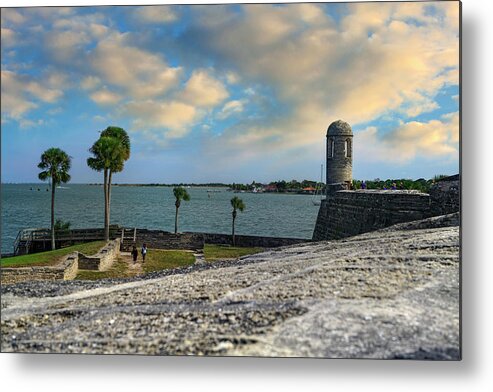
point(139, 374)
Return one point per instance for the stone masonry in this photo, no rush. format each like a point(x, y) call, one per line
point(66, 270)
point(339, 153)
point(102, 260)
point(347, 213)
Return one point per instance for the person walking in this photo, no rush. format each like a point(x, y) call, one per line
point(144, 252)
point(135, 253)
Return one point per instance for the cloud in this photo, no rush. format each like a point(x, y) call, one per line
point(12, 16)
point(156, 14)
point(380, 58)
point(203, 90)
point(143, 74)
point(173, 118)
point(23, 123)
point(8, 37)
point(432, 139)
point(64, 46)
point(90, 82)
point(231, 108)
point(21, 93)
point(105, 97)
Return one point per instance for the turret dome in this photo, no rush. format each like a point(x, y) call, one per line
point(339, 128)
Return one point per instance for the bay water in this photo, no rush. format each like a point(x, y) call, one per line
point(209, 210)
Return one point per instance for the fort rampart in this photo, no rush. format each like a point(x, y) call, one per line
point(347, 213)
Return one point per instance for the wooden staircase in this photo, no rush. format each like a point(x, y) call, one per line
point(128, 239)
point(23, 242)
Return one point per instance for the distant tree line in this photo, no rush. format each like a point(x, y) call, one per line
point(420, 184)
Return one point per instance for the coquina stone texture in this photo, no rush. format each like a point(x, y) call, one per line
point(387, 294)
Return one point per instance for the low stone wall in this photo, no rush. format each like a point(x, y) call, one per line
point(347, 213)
point(102, 260)
point(159, 239)
point(67, 270)
point(250, 240)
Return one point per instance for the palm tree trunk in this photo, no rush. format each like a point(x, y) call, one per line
point(176, 221)
point(53, 215)
point(233, 232)
point(109, 203)
point(106, 215)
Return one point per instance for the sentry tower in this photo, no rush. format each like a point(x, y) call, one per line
point(339, 153)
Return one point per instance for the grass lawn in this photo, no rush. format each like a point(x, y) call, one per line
point(119, 269)
point(217, 252)
point(157, 259)
point(51, 257)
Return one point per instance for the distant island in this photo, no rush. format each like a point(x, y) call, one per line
point(295, 186)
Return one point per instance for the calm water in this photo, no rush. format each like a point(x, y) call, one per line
point(280, 215)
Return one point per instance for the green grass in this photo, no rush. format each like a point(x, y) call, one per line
point(217, 252)
point(119, 269)
point(52, 257)
point(157, 260)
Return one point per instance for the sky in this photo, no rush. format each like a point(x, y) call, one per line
point(232, 93)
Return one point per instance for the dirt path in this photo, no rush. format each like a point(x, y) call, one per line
point(135, 268)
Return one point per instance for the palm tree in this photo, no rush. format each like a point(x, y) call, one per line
point(110, 152)
point(121, 135)
point(55, 164)
point(180, 194)
point(237, 204)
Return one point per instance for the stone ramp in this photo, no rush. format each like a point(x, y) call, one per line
point(379, 295)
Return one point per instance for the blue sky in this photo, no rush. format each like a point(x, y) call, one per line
point(233, 93)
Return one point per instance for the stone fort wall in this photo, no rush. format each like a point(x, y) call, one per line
point(347, 213)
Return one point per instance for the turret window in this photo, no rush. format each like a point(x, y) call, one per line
point(347, 148)
point(331, 148)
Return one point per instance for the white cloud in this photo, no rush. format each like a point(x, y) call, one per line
point(141, 73)
point(105, 97)
point(231, 108)
point(435, 138)
point(21, 93)
point(156, 14)
point(23, 123)
point(172, 117)
point(203, 90)
point(64, 46)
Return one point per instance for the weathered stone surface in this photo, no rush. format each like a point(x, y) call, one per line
point(387, 294)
